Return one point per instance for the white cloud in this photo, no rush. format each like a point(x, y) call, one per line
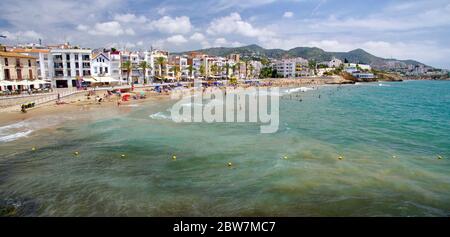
point(22, 35)
point(177, 39)
point(130, 18)
point(177, 25)
point(197, 37)
point(222, 42)
point(233, 24)
point(110, 28)
point(288, 14)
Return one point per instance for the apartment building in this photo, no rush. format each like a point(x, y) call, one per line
point(156, 70)
point(291, 67)
point(68, 66)
point(42, 55)
point(17, 71)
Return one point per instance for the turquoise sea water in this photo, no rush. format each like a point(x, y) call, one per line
point(367, 124)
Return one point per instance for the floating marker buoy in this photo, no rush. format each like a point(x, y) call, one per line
point(230, 164)
point(439, 157)
point(33, 149)
point(340, 157)
point(394, 157)
point(76, 153)
point(123, 156)
point(285, 157)
point(174, 157)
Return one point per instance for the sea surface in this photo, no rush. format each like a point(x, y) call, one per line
point(389, 137)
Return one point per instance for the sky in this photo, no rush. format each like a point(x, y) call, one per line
point(400, 29)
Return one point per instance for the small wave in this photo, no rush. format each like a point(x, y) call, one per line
point(132, 105)
point(12, 126)
point(191, 104)
point(382, 84)
point(299, 89)
point(160, 116)
point(15, 136)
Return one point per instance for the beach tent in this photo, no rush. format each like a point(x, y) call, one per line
point(126, 96)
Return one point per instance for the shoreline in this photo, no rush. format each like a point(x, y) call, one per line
point(80, 102)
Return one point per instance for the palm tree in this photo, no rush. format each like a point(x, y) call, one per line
point(237, 67)
point(191, 70)
point(202, 70)
point(227, 68)
point(161, 62)
point(246, 68)
point(175, 69)
point(144, 66)
point(214, 69)
point(251, 68)
point(128, 66)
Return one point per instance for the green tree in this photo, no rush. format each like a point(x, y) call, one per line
point(202, 70)
point(175, 69)
point(161, 62)
point(128, 66)
point(214, 69)
point(144, 66)
point(191, 70)
point(227, 68)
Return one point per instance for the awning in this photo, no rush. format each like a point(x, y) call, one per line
point(89, 80)
point(24, 83)
point(105, 79)
point(7, 83)
point(40, 82)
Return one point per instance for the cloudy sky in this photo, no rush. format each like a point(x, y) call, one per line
point(389, 28)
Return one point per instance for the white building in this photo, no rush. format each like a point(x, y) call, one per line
point(68, 66)
point(291, 67)
point(334, 63)
point(352, 67)
point(42, 56)
point(155, 69)
point(101, 65)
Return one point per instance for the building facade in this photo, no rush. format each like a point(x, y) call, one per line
point(17, 71)
point(68, 66)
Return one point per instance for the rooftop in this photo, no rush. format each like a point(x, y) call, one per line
point(14, 55)
point(19, 50)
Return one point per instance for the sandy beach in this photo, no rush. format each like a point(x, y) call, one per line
point(81, 102)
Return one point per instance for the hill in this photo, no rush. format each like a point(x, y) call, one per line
point(310, 53)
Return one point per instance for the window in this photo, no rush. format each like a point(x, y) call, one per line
point(19, 74)
point(7, 75)
point(18, 62)
point(29, 63)
point(106, 70)
point(30, 73)
point(6, 62)
point(76, 56)
point(67, 57)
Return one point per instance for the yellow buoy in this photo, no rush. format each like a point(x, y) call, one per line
point(285, 157)
point(76, 153)
point(440, 157)
point(340, 157)
point(230, 164)
point(394, 157)
point(33, 149)
point(174, 157)
point(123, 156)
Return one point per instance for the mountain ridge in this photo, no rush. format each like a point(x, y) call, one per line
point(310, 53)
